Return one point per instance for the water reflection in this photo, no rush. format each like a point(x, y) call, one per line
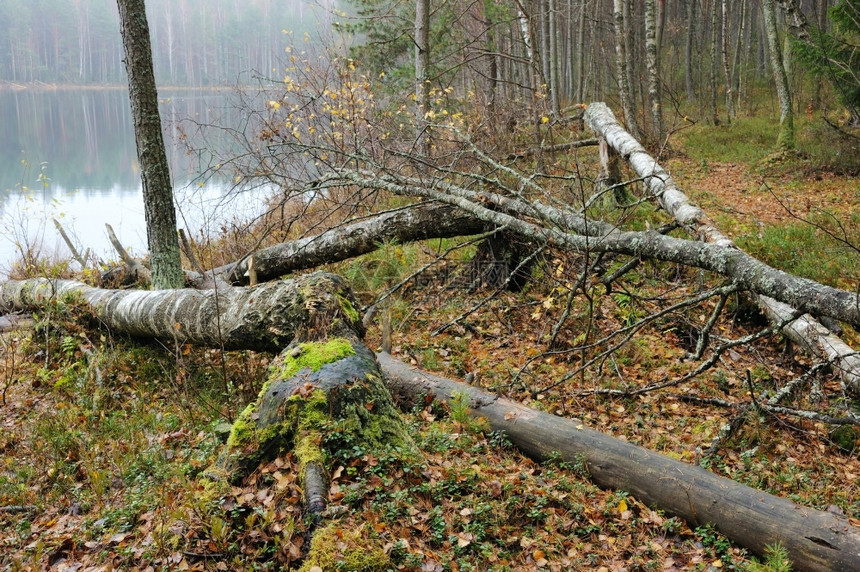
point(70, 154)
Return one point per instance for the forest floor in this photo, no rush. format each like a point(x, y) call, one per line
point(104, 438)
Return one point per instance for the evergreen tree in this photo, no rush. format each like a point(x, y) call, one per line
point(836, 54)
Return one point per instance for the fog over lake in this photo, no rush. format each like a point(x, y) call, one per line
point(70, 155)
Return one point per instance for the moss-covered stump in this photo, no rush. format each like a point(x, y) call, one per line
point(314, 387)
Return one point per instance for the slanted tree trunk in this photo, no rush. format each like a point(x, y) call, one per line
point(159, 211)
point(596, 237)
point(417, 222)
point(815, 540)
point(805, 331)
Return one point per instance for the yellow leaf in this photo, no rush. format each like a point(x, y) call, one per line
point(622, 506)
point(544, 119)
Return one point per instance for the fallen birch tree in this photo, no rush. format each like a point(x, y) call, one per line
point(323, 373)
point(806, 331)
point(748, 272)
point(415, 222)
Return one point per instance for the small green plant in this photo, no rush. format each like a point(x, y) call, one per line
point(460, 407)
point(775, 560)
point(717, 542)
point(803, 250)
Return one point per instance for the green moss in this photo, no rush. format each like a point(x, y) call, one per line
point(313, 356)
point(348, 309)
point(307, 449)
point(374, 418)
point(335, 548)
point(313, 415)
point(244, 428)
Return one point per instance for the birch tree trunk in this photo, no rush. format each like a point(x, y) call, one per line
point(419, 222)
point(652, 60)
point(557, 227)
point(554, 83)
point(422, 63)
point(323, 374)
point(621, 62)
point(785, 141)
point(158, 205)
point(580, 54)
point(724, 51)
point(688, 51)
point(715, 117)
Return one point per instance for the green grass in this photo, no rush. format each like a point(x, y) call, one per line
point(803, 250)
point(746, 140)
point(751, 141)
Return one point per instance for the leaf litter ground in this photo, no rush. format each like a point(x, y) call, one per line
point(102, 456)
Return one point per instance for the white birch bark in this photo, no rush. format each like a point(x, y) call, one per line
point(621, 61)
point(265, 318)
point(785, 141)
point(652, 60)
point(805, 331)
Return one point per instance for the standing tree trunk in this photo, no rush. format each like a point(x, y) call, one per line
point(688, 51)
point(725, 58)
point(785, 141)
point(652, 60)
point(627, 104)
point(554, 82)
point(715, 116)
point(159, 211)
point(741, 41)
point(422, 59)
point(580, 53)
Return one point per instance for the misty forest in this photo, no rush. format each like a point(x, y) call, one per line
point(529, 284)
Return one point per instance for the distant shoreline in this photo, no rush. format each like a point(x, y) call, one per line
point(6, 85)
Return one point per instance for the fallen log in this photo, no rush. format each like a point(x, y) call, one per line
point(265, 318)
point(551, 149)
point(416, 222)
point(323, 378)
point(806, 331)
point(814, 540)
point(727, 260)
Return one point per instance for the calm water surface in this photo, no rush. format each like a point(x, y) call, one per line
point(70, 155)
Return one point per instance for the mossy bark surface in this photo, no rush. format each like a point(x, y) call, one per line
point(312, 387)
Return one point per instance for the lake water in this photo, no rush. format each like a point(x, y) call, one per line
point(70, 155)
